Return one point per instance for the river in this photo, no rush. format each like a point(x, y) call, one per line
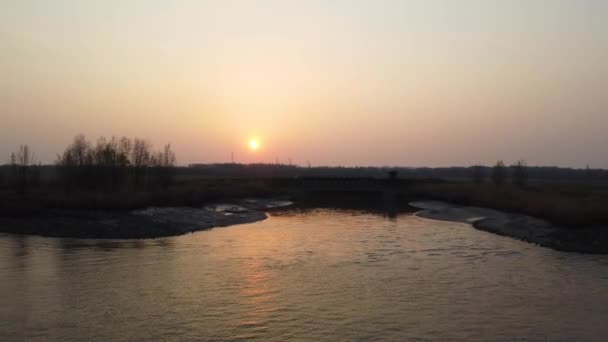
point(302, 275)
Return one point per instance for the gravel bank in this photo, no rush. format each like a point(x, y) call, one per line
point(522, 227)
point(139, 224)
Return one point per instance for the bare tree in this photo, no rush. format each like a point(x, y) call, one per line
point(140, 153)
point(13, 171)
point(110, 162)
point(75, 163)
point(124, 150)
point(24, 156)
point(167, 156)
point(140, 159)
point(20, 164)
point(81, 151)
point(164, 162)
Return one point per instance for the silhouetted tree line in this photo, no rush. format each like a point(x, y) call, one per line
point(107, 165)
point(518, 173)
point(114, 163)
point(21, 172)
point(500, 174)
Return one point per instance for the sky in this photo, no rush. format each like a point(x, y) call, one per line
point(330, 82)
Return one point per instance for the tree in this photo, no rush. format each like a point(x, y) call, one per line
point(140, 159)
point(109, 163)
point(140, 154)
point(499, 173)
point(80, 151)
point(520, 173)
point(164, 162)
point(20, 167)
point(24, 156)
point(75, 163)
point(124, 150)
point(167, 157)
point(13, 171)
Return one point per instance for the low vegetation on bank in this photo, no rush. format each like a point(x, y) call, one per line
point(572, 205)
point(126, 174)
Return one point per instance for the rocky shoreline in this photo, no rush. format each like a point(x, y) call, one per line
point(584, 240)
point(151, 222)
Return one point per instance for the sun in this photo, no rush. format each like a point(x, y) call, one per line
point(254, 144)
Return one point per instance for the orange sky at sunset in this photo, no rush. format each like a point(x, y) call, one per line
point(407, 83)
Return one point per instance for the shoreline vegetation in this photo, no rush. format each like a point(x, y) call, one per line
point(102, 189)
point(187, 206)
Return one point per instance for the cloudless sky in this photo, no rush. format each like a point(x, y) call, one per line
point(342, 82)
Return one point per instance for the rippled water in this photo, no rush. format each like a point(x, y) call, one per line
point(319, 275)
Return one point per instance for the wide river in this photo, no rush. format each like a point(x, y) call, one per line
point(319, 275)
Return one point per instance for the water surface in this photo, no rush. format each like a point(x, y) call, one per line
point(320, 275)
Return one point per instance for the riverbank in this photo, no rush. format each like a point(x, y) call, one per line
point(571, 205)
point(518, 226)
point(151, 222)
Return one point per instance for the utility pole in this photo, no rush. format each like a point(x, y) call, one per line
point(232, 157)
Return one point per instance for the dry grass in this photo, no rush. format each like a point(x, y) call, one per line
point(568, 204)
point(186, 193)
point(574, 205)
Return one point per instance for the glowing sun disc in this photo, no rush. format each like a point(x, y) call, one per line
point(254, 144)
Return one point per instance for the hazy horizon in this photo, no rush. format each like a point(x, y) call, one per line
point(403, 83)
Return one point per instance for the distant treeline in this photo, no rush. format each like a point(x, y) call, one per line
point(106, 165)
point(111, 164)
point(477, 173)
